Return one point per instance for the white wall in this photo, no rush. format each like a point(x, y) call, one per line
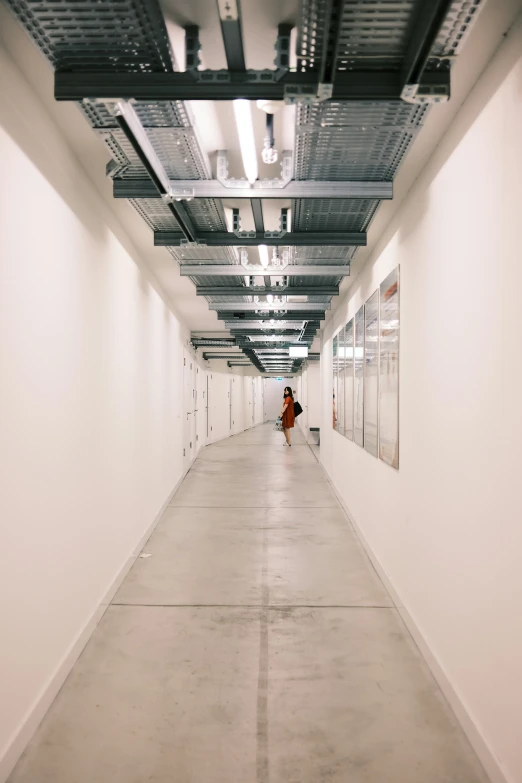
point(446, 529)
point(219, 389)
point(253, 401)
point(308, 386)
point(91, 399)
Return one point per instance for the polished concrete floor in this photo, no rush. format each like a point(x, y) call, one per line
point(255, 645)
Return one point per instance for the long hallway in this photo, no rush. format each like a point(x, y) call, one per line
point(252, 642)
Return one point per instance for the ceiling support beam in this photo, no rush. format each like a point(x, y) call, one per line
point(236, 290)
point(208, 342)
point(309, 308)
point(257, 212)
point(274, 329)
point(332, 32)
point(231, 318)
point(259, 223)
point(255, 327)
point(236, 270)
point(253, 239)
point(129, 122)
point(357, 85)
point(230, 20)
point(210, 355)
point(253, 358)
point(427, 21)
point(213, 188)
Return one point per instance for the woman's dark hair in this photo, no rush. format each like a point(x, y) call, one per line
point(289, 390)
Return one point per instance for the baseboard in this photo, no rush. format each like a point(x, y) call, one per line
point(36, 713)
point(485, 754)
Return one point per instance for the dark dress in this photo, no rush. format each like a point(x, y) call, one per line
point(288, 415)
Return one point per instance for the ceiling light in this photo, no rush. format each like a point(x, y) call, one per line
point(263, 255)
point(298, 351)
point(270, 298)
point(245, 129)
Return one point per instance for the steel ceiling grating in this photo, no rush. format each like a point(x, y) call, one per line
point(456, 27)
point(311, 34)
point(181, 160)
point(358, 114)
point(208, 255)
point(204, 214)
point(112, 35)
point(336, 141)
point(337, 161)
point(310, 299)
point(305, 282)
point(209, 280)
point(322, 255)
point(374, 34)
point(155, 213)
point(229, 300)
point(333, 214)
point(354, 142)
point(161, 114)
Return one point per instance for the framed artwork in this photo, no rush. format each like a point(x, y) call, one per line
point(348, 378)
point(358, 384)
point(341, 360)
point(335, 378)
point(371, 374)
point(389, 370)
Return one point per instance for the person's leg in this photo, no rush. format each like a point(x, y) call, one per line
point(287, 435)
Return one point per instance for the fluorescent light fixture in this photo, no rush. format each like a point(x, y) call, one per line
point(247, 142)
point(298, 351)
point(263, 255)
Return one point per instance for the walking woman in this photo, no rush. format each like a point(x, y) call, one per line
point(287, 414)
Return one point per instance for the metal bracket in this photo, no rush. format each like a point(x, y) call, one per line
point(421, 94)
point(283, 223)
point(268, 184)
point(282, 47)
point(192, 48)
point(324, 92)
point(178, 194)
point(305, 93)
point(222, 76)
point(114, 169)
point(228, 10)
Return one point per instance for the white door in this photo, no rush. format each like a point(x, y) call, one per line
point(230, 397)
point(189, 424)
point(207, 408)
point(200, 407)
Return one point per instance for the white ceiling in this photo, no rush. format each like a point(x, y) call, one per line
point(217, 128)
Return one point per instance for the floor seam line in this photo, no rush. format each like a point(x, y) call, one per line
point(318, 508)
point(270, 607)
